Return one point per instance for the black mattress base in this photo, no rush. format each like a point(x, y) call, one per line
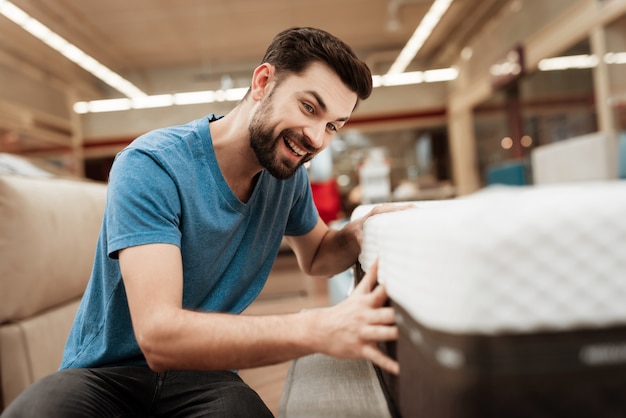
point(579, 373)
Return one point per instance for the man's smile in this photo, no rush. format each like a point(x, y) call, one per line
point(295, 149)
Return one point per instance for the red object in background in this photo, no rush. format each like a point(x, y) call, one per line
point(327, 199)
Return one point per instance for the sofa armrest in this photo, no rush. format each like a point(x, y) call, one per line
point(323, 386)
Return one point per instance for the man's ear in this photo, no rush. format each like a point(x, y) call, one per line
point(262, 77)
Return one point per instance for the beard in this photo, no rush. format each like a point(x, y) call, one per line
point(264, 144)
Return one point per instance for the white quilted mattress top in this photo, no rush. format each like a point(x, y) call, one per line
point(507, 259)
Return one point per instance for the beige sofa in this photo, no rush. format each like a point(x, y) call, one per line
point(48, 232)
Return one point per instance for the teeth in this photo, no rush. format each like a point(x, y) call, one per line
point(295, 148)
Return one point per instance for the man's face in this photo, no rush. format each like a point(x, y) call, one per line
point(298, 118)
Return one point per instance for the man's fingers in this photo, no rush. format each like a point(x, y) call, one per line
point(379, 295)
point(372, 353)
point(379, 321)
point(379, 333)
point(368, 281)
point(389, 207)
point(381, 316)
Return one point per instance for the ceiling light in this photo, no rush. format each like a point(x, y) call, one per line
point(413, 77)
point(71, 52)
point(579, 61)
point(442, 74)
point(97, 106)
point(158, 100)
point(564, 63)
point(234, 95)
point(422, 32)
point(194, 97)
point(466, 53)
point(615, 58)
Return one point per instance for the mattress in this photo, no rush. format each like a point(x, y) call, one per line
point(510, 302)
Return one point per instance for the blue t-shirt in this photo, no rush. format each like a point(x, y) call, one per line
point(167, 187)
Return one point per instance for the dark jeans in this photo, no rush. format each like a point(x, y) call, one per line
point(137, 392)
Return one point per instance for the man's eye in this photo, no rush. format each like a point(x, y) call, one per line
point(308, 107)
point(331, 127)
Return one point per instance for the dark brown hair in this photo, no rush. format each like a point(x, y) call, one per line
point(294, 49)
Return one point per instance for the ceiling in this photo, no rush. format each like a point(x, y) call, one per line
point(165, 45)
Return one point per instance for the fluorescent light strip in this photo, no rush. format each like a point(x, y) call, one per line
point(422, 32)
point(415, 77)
point(233, 95)
point(615, 58)
point(564, 63)
point(70, 51)
point(160, 100)
point(579, 61)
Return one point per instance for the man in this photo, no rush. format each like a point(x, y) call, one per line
point(194, 219)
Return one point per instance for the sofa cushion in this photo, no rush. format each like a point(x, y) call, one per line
point(48, 237)
point(32, 348)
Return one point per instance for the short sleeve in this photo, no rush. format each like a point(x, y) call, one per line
point(143, 206)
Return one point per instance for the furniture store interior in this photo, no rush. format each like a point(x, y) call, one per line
point(478, 108)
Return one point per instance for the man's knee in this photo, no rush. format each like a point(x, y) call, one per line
point(66, 394)
point(39, 399)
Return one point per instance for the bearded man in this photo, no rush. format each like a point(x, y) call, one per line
point(194, 219)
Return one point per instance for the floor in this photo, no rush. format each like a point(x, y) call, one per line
point(287, 290)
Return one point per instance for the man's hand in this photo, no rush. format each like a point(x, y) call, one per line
point(356, 227)
point(355, 326)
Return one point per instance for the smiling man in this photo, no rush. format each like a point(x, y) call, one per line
point(194, 219)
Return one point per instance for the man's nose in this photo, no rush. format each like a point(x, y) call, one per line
point(315, 134)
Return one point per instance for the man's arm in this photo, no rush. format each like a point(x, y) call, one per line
point(175, 338)
point(325, 252)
